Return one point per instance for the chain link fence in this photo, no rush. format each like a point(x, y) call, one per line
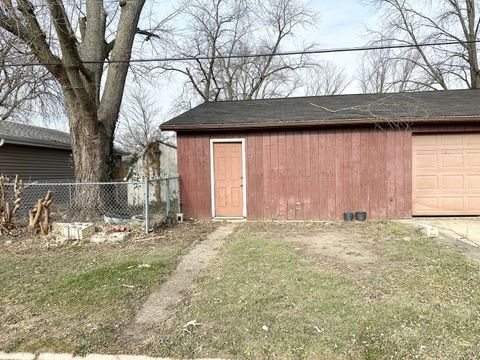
point(146, 203)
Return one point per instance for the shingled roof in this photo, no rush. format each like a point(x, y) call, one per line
point(453, 105)
point(14, 133)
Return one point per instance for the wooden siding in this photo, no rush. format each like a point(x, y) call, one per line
point(36, 163)
point(307, 174)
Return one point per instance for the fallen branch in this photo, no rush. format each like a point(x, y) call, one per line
point(7, 214)
point(41, 207)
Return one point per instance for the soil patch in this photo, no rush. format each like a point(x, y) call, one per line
point(343, 246)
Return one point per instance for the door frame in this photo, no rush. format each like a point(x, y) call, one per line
point(212, 172)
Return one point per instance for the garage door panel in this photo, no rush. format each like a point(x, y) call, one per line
point(451, 160)
point(473, 203)
point(426, 161)
point(426, 182)
point(452, 139)
point(427, 203)
point(452, 182)
point(472, 160)
point(446, 174)
point(453, 203)
point(473, 182)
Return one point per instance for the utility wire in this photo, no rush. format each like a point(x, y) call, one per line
point(287, 53)
point(85, 2)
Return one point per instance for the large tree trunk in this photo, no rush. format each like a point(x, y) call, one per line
point(91, 150)
point(91, 143)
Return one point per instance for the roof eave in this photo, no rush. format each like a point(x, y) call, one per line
point(318, 123)
point(37, 144)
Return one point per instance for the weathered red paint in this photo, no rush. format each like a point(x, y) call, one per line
point(316, 173)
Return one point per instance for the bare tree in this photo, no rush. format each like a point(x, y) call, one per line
point(228, 32)
point(381, 71)
point(423, 21)
point(73, 41)
point(327, 79)
point(23, 89)
point(140, 119)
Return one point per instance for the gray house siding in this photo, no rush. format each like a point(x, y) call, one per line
point(36, 163)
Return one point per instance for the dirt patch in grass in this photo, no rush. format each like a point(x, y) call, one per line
point(270, 298)
point(345, 247)
point(78, 298)
point(353, 248)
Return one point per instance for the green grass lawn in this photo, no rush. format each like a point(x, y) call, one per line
point(268, 298)
point(80, 298)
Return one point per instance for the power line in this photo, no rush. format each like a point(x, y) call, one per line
point(287, 53)
point(83, 3)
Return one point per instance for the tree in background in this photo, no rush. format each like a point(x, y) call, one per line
point(325, 79)
point(380, 71)
point(24, 90)
point(422, 21)
point(228, 32)
point(140, 120)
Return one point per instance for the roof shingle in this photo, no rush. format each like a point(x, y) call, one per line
point(329, 109)
point(33, 135)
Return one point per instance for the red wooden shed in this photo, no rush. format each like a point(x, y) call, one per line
point(392, 155)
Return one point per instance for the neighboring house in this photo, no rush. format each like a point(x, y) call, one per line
point(168, 160)
point(35, 153)
point(165, 167)
point(392, 155)
point(167, 163)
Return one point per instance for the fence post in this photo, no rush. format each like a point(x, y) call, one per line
point(146, 199)
point(179, 207)
point(168, 197)
point(70, 195)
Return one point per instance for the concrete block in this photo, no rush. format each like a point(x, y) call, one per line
point(429, 230)
point(75, 231)
point(16, 356)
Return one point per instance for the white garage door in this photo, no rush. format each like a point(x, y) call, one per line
point(446, 174)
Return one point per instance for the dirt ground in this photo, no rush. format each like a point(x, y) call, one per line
point(24, 243)
point(346, 247)
point(355, 250)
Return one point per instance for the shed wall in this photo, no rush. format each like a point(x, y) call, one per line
point(36, 163)
point(307, 174)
